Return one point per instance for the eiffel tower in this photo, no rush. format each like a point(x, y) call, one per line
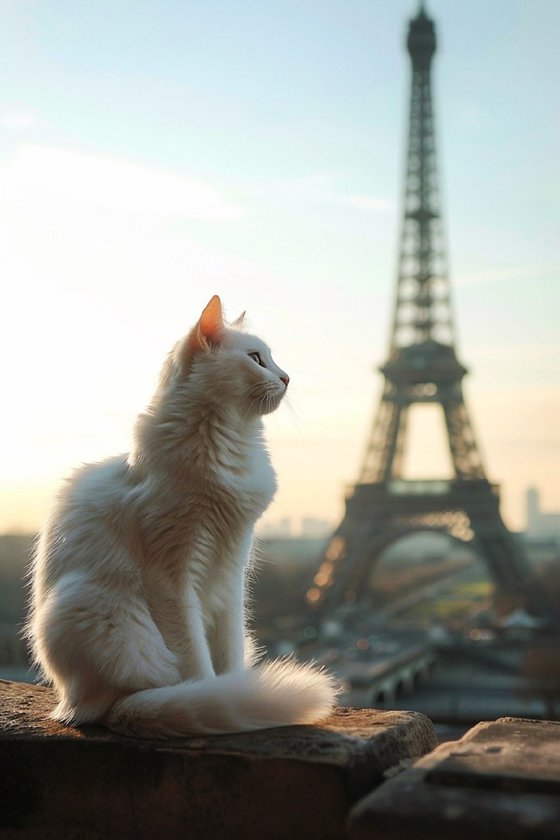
point(422, 367)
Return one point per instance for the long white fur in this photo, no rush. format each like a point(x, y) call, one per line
point(138, 609)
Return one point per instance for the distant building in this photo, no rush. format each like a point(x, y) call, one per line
point(280, 528)
point(315, 528)
point(541, 525)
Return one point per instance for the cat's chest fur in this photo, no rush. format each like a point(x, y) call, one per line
point(200, 522)
point(247, 483)
point(232, 467)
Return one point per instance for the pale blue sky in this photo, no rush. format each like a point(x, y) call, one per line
point(153, 153)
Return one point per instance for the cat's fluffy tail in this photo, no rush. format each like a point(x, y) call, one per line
point(273, 694)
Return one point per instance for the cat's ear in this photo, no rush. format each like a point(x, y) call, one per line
point(206, 333)
point(239, 321)
point(210, 327)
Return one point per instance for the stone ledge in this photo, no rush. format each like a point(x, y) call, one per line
point(291, 782)
point(500, 781)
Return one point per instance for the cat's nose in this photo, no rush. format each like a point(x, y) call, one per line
point(285, 379)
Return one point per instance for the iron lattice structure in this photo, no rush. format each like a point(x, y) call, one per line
point(422, 367)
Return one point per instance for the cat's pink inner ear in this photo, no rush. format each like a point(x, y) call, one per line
point(209, 328)
point(211, 322)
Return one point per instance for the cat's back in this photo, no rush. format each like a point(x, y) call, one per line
point(83, 523)
point(94, 488)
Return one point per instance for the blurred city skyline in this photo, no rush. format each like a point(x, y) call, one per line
point(152, 155)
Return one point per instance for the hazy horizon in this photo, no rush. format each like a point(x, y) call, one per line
point(153, 156)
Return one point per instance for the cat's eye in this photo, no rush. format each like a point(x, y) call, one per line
point(256, 357)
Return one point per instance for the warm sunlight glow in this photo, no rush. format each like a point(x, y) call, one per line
point(279, 191)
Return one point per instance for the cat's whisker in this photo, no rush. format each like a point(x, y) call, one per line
point(294, 413)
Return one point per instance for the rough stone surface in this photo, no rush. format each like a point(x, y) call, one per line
point(292, 782)
point(501, 781)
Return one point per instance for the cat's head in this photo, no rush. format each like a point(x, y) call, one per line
point(226, 365)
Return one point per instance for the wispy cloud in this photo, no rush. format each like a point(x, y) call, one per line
point(320, 188)
point(47, 174)
point(19, 120)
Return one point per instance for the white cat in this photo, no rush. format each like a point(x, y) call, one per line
point(138, 615)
